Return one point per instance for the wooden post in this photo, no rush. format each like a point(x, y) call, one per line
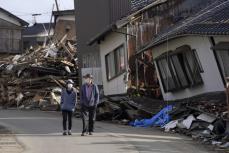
point(227, 94)
point(136, 74)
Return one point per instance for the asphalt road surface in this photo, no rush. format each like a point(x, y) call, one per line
point(41, 132)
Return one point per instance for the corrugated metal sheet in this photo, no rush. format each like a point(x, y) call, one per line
point(119, 9)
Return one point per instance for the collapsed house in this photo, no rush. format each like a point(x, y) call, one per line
point(192, 57)
point(34, 78)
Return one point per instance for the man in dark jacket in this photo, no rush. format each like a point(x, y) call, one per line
point(68, 103)
point(89, 100)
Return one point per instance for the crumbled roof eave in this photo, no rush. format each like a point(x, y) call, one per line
point(123, 22)
point(157, 43)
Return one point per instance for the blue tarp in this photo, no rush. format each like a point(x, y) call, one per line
point(160, 119)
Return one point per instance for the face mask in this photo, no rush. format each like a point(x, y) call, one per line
point(70, 86)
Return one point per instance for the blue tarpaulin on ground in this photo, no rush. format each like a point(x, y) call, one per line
point(159, 119)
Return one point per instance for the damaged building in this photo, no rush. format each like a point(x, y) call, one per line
point(176, 49)
point(195, 54)
point(92, 17)
point(64, 22)
point(124, 70)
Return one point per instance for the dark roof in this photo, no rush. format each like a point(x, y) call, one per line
point(213, 20)
point(139, 4)
point(22, 22)
point(63, 12)
point(37, 28)
point(102, 34)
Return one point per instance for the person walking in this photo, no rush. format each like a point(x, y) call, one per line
point(68, 103)
point(88, 101)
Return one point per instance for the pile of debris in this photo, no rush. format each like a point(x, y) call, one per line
point(204, 118)
point(123, 109)
point(205, 121)
point(35, 78)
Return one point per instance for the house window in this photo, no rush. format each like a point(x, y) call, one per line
point(223, 56)
point(222, 51)
point(179, 69)
point(115, 62)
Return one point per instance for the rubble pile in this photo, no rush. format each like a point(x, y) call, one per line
point(35, 78)
point(204, 121)
point(124, 109)
point(204, 118)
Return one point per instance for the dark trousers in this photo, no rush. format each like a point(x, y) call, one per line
point(88, 117)
point(67, 117)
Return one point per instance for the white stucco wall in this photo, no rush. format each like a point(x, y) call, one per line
point(211, 75)
point(221, 39)
point(117, 85)
point(9, 19)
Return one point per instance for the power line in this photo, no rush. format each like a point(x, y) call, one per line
point(203, 12)
point(30, 14)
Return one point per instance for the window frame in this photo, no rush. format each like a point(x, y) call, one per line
point(219, 47)
point(116, 62)
point(186, 68)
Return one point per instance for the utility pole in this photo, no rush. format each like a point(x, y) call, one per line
point(57, 6)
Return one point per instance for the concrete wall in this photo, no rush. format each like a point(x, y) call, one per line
point(116, 85)
point(211, 75)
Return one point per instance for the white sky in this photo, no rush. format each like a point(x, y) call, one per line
point(25, 8)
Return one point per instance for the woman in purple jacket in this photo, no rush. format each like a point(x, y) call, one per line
point(68, 103)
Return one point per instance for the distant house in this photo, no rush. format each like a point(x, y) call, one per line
point(64, 22)
point(192, 58)
point(11, 28)
point(37, 34)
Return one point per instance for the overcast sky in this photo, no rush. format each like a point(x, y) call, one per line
point(25, 8)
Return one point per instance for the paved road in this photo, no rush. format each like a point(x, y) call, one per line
point(40, 132)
